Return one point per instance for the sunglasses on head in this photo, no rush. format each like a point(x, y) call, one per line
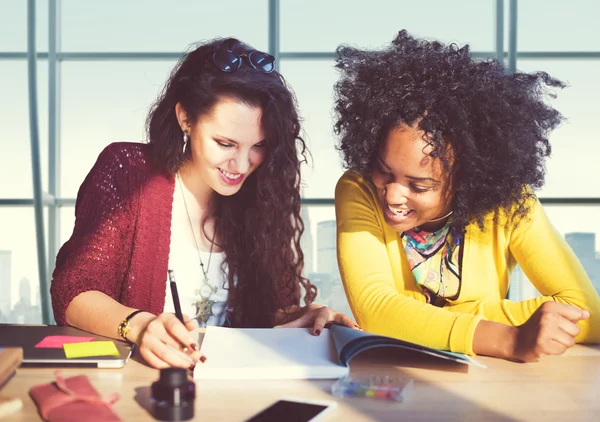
point(228, 61)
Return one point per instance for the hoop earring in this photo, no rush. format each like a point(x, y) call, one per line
point(441, 218)
point(186, 139)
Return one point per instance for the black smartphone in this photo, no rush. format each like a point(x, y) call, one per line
point(292, 409)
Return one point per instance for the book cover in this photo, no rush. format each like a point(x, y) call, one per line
point(294, 353)
point(10, 360)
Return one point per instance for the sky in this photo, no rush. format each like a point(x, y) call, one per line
point(107, 101)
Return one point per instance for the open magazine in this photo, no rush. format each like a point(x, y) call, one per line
point(349, 343)
point(294, 353)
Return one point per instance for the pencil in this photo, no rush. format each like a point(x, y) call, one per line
point(175, 295)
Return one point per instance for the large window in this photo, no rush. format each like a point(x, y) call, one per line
point(157, 25)
point(320, 26)
point(575, 146)
point(19, 278)
point(98, 108)
point(112, 57)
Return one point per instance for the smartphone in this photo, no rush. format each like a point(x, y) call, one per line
point(293, 409)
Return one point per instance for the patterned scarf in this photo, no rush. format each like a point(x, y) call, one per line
point(435, 260)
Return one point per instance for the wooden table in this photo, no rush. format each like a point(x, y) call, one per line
point(561, 388)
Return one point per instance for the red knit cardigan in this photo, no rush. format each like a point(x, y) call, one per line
point(120, 243)
point(122, 235)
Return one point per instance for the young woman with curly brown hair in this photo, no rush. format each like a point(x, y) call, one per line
point(438, 205)
point(213, 196)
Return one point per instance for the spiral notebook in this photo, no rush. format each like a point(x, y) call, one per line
point(294, 353)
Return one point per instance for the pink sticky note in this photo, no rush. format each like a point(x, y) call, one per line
point(56, 342)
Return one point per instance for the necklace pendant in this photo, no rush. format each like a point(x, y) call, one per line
point(206, 283)
point(204, 309)
point(206, 290)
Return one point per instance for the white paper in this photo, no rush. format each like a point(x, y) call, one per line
point(270, 353)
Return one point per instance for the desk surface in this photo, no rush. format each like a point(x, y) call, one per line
point(556, 388)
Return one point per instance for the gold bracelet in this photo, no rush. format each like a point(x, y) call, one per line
point(125, 327)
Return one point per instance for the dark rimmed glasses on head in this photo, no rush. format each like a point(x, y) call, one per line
point(228, 61)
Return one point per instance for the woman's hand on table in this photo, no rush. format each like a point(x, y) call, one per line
point(551, 330)
point(312, 316)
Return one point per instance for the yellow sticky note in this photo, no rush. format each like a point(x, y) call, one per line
point(90, 348)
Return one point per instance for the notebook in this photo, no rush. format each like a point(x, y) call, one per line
point(294, 353)
point(10, 359)
point(50, 352)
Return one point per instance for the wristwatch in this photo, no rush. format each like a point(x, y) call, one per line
point(124, 327)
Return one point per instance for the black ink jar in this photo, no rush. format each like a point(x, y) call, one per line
point(173, 395)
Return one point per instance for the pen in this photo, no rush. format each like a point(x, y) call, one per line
point(175, 295)
point(178, 313)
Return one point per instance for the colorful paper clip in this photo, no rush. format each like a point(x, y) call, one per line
point(379, 387)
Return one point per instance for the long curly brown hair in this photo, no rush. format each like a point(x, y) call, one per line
point(259, 227)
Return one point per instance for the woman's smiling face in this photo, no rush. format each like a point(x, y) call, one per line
point(412, 185)
point(227, 144)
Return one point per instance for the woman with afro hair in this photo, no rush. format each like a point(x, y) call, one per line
point(438, 206)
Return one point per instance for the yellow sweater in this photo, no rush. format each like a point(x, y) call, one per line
point(385, 299)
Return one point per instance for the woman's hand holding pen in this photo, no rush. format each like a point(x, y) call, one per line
point(312, 316)
point(164, 341)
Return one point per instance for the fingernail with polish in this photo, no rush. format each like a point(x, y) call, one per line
point(192, 366)
point(202, 358)
point(317, 332)
point(195, 346)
